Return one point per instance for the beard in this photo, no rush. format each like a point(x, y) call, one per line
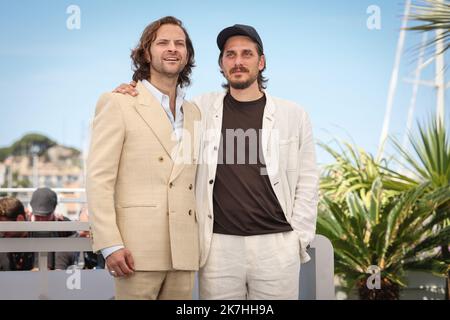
point(169, 72)
point(241, 84)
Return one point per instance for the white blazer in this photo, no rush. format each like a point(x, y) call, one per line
point(289, 153)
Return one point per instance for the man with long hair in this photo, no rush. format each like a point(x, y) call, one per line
point(141, 172)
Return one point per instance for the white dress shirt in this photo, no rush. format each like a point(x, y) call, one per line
point(177, 121)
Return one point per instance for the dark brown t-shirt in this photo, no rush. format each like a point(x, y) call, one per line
point(243, 199)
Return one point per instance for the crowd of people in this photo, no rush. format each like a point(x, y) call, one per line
point(43, 204)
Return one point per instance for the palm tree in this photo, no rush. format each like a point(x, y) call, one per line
point(434, 15)
point(392, 232)
point(430, 162)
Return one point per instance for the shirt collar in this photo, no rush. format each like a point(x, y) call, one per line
point(181, 93)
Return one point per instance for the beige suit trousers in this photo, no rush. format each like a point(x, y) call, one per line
point(155, 285)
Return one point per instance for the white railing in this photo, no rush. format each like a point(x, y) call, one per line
point(316, 276)
point(45, 284)
point(28, 190)
point(44, 245)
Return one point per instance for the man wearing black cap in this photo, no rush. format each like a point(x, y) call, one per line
point(256, 217)
point(257, 184)
point(43, 204)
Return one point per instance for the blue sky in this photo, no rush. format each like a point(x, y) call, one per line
point(319, 54)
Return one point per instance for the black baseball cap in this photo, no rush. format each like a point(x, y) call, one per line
point(238, 30)
point(43, 201)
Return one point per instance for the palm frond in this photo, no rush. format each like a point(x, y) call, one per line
point(432, 15)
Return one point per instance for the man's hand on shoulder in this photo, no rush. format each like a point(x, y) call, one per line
point(125, 88)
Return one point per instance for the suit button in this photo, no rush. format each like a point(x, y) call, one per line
point(209, 216)
point(190, 187)
point(211, 181)
point(215, 148)
point(171, 185)
point(160, 159)
point(190, 212)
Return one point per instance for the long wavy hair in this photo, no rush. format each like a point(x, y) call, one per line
point(141, 65)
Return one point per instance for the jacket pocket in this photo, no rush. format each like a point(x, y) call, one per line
point(289, 153)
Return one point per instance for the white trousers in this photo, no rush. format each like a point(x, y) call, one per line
point(261, 267)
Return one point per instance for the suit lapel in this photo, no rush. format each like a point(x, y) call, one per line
point(186, 148)
point(156, 118)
